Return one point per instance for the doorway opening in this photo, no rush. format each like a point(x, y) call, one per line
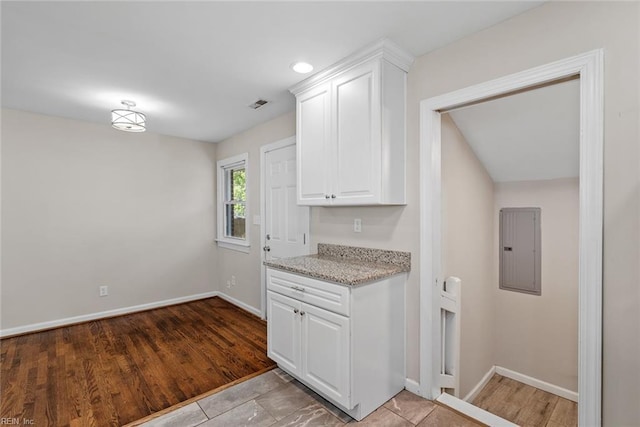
point(588, 69)
point(510, 206)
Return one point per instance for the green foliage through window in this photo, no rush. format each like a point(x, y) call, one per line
point(238, 191)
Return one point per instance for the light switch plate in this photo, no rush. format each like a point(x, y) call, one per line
point(357, 225)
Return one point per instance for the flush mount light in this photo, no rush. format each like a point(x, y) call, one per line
point(302, 67)
point(128, 120)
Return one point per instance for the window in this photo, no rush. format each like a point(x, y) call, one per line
point(233, 230)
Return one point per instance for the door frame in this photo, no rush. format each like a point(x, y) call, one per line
point(589, 68)
point(263, 211)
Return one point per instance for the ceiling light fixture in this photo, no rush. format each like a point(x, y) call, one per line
point(128, 120)
point(302, 67)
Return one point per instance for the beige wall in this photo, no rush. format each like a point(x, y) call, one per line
point(246, 266)
point(468, 250)
point(538, 335)
point(84, 205)
point(551, 32)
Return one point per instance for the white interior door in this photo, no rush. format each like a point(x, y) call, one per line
point(286, 223)
point(285, 230)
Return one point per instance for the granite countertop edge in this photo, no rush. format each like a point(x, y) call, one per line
point(337, 270)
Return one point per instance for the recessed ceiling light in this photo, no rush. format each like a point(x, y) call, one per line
point(302, 67)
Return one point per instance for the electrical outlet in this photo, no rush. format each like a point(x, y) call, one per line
point(104, 291)
point(233, 280)
point(357, 225)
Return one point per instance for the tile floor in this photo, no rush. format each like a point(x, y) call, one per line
point(276, 399)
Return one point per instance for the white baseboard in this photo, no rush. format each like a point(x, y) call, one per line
point(474, 412)
point(412, 386)
point(478, 388)
point(240, 304)
point(533, 382)
point(34, 327)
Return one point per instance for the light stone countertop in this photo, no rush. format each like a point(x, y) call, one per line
point(346, 265)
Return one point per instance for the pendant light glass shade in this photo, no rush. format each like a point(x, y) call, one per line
point(128, 120)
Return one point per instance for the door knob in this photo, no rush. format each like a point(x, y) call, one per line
point(266, 249)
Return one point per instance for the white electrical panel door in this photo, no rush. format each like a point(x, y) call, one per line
point(520, 254)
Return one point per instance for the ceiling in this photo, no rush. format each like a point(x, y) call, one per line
point(195, 67)
point(529, 136)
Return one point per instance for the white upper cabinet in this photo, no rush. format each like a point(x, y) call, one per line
point(313, 121)
point(351, 130)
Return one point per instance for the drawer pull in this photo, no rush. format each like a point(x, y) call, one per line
point(297, 288)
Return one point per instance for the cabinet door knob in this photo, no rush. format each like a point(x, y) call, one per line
point(326, 196)
point(302, 313)
point(333, 196)
point(295, 310)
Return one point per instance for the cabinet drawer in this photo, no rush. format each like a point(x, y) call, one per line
point(315, 292)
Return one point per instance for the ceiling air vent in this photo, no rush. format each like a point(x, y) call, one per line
point(259, 103)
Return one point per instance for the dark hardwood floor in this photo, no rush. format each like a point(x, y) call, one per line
point(113, 371)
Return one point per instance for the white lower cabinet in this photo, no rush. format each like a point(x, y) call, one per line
point(311, 343)
point(284, 331)
point(356, 360)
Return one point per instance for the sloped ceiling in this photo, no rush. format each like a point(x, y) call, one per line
point(529, 136)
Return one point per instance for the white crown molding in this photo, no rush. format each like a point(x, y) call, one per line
point(383, 48)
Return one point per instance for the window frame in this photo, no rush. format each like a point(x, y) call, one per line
point(223, 167)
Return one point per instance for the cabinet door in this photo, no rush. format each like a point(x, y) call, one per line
point(313, 133)
point(356, 135)
point(283, 331)
point(326, 353)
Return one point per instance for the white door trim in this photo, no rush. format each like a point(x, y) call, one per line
point(589, 67)
point(263, 155)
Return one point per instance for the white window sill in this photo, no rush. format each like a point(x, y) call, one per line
point(239, 247)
